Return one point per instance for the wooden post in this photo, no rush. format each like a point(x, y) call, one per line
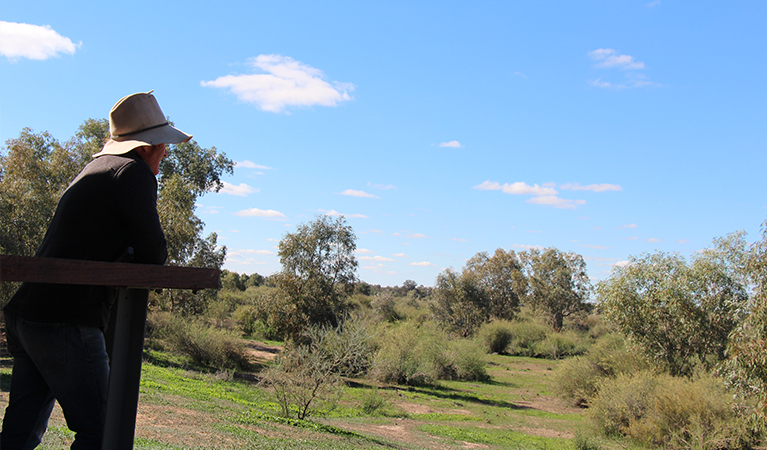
point(127, 344)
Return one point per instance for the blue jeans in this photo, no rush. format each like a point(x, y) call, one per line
point(55, 361)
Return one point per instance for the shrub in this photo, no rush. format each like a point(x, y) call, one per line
point(661, 410)
point(301, 379)
point(577, 379)
point(398, 359)
point(525, 334)
point(496, 336)
point(559, 345)
point(210, 347)
point(419, 354)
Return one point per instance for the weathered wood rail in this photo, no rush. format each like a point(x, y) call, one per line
point(125, 336)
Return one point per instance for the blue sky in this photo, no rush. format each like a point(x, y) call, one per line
point(438, 129)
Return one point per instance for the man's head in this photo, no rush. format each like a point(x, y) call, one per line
point(137, 121)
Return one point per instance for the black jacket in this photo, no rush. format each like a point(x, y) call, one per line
point(111, 205)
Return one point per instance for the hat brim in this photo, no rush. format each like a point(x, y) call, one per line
point(163, 135)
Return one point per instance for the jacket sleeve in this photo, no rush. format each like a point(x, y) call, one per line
point(137, 202)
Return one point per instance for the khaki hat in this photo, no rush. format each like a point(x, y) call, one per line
point(137, 120)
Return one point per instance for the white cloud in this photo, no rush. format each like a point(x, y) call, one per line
point(22, 40)
point(415, 236)
point(334, 213)
point(240, 190)
point(255, 212)
point(422, 264)
point(354, 193)
point(400, 255)
point(375, 258)
point(460, 239)
point(520, 74)
point(632, 238)
point(628, 225)
point(556, 202)
point(516, 188)
point(452, 144)
point(609, 58)
point(283, 83)
point(592, 187)
point(251, 165)
point(595, 247)
point(653, 240)
point(363, 251)
point(528, 247)
point(682, 241)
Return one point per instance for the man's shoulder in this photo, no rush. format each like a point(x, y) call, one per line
point(122, 165)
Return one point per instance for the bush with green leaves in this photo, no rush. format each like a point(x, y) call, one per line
point(415, 354)
point(577, 379)
point(659, 410)
point(525, 335)
point(202, 344)
point(558, 345)
point(495, 336)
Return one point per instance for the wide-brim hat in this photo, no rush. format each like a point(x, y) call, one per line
point(137, 120)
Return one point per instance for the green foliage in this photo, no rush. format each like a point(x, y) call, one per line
point(558, 345)
point(661, 410)
point(678, 314)
point(459, 303)
point(525, 335)
point(578, 379)
point(416, 355)
point(203, 345)
point(502, 278)
point(384, 306)
point(318, 273)
point(558, 283)
point(496, 336)
point(746, 367)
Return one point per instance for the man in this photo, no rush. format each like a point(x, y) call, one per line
point(56, 332)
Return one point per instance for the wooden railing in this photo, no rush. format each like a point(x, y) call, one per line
point(125, 334)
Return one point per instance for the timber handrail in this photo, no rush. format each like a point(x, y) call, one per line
point(97, 273)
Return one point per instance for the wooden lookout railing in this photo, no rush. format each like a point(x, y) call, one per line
point(125, 335)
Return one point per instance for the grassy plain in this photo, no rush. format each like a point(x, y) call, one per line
point(181, 408)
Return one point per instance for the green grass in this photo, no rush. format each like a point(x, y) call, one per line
point(182, 407)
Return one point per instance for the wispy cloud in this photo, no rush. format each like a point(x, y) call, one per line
point(542, 195)
point(608, 58)
point(383, 187)
point(516, 188)
point(355, 193)
point(528, 247)
point(451, 144)
point(415, 235)
point(266, 214)
point(283, 83)
point(520, 74)
point(556, 202)
point(375, 258)
point(251, 165)
point(240, 190)
point(422, 264)
point(334, 213)
point(38, 42)
point(653, 240)
point(653, 4)
point(628, 225)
